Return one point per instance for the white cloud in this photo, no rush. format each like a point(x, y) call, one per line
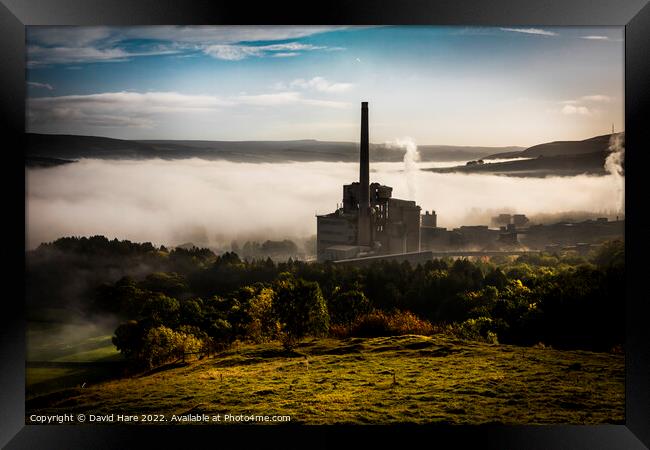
point(62, 45)
point(286, 98)
point(141, 110)
point(285, 55)
point(322, 85)
point(155, 101)
point(37, 56)
point(238, 52)
point(290, 46)
point(40, 85)
point(597, 98)
point(601, 38)
point(577, 106)
point(46, 55)
point(231, 52)
point(74, 36)
point(118, 109)
point(281, 98)
point(576, 110)
point(209, 34)
point(67, 36)
point(537, 31)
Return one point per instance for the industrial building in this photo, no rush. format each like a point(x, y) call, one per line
point(518, 220)
point(369, 222)
point(371, 225)
point(580, 234)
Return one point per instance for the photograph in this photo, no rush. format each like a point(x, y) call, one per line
point(325, 225)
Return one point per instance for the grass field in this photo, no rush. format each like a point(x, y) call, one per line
point(370, 381)
point(64, 355)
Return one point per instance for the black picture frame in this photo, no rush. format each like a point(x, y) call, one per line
point(634, 15)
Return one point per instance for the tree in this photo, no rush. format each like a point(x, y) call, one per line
point(345, 306)
point(300, 308)
point(124, 297)
point(159, 345)
point(215, 320)
point(151, 346)
point(496, 278)
point(160, 309)
point(263, 325)
point(191, 312)
point(610, 254)
point(171, 284)
point(128, 339)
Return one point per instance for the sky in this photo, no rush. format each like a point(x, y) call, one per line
point(497, 86)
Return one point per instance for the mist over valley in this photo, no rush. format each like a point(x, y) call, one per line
point(212, 203)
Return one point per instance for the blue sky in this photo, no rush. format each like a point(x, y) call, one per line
point(438, 85)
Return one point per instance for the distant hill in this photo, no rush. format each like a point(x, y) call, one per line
point(558, 148)
point(63, 146)
point(42, 161)
point(458, 153)
point(561, 158)
point(561, 165)
point(72, 147)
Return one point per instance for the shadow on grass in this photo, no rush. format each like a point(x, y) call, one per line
point(440, 352)
point(342, 350)
point(255, 357)
point(164, 367)
point(78, 374)
point(50, 399)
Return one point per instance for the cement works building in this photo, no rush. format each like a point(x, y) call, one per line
point(371, 225)
point(369, 222)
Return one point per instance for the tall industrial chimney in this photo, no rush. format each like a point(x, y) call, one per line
point(364, 233)
point(364, 158)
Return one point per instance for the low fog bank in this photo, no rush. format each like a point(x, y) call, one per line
point(212, 203)
point(65, 335)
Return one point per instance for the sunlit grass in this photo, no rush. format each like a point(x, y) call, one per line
point(382, 380)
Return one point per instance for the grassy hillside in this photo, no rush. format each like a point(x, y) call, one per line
point(377, 380)
point(559, 158)
point(61, 355)
point(558, 148)
point(541, 166)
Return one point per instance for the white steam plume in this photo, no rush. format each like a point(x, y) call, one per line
point(614, 165)
point(411, 159)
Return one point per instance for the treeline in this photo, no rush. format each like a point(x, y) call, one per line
point(65, 273)
point(164, 327)
point(197, 302)
point(268, 249)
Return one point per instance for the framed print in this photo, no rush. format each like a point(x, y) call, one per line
point(386, 220)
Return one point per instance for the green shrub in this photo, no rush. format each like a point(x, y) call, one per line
point(610, 254)
point(345, 306)
point(479, 329)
